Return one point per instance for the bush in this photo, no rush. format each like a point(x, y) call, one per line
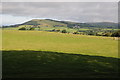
point(22, 28)
point(107, 34)
point(99, 34)
point(64, 31)
point(53, 30)
point(58, 30)
point(75, 32)
point(116, 34)
point(89, 32)
point(32, 28)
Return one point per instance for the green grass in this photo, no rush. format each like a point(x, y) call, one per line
point(40, 54)
point(46, 64)
point(11, 28)
point(59, 42)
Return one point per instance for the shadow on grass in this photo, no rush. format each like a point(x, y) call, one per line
point(46, 64)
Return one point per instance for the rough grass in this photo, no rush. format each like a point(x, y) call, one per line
point(46, 64)
point(59, 42)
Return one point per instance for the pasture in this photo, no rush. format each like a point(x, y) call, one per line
point(59, 42)
point(46, 64)
point(40, 54)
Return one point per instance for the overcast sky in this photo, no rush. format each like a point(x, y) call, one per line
point(19, 12)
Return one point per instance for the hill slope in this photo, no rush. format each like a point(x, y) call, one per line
point(104, 24)
point(55, 23)
point(45, 22)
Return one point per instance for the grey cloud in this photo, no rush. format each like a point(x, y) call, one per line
point(60, 0)
point(74, 11)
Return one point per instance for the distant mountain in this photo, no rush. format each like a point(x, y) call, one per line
point(55, 23)
point(16, 25)
point(104, 24)
point(45, 22)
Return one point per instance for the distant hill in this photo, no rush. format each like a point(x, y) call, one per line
point(45, 22)
point(55, 23)
point(104, 24)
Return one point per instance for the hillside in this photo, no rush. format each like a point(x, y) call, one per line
point(45, 23)
point(104, 24)
point(55, 23)
point(50, 22)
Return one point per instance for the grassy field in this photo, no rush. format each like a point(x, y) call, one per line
point(59, 42)
point(40, 54)
point(46, 64)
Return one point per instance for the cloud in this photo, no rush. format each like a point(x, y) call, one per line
point(59, 0)
point(74, 11)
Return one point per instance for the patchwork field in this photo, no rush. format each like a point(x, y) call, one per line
point(40, 54)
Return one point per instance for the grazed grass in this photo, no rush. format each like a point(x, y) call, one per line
point(46, 64)
point(59, 42)
point(40, 54)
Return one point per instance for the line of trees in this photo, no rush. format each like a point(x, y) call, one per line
point(58, 30)
point(23, 28)
point(107, 33)
point(87, 32)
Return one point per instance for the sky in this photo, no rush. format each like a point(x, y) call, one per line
point(60, 0)
point(19, 12)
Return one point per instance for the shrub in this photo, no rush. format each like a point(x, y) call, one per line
point(58, 30)
point(32, 28)
point(116, 34)
point(22, 28)
point(75, 32)
point(99, 34)
point(53, 30)
point(107, 34)
point(91, 33)
point(64, 31)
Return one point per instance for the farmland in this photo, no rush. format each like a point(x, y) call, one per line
point(59, 39)
point(46, 64)
point(59, 42)
point(41, 54)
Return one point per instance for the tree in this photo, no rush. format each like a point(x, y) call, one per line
point(107, 34)
point(53, 30)
point(91, 32)
point(58, 30)
point(64, 31)
point(39, 28)
point(116, 34)
point(22, 28)
point(75, 32)
point(32, 28)
point(99, 34)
